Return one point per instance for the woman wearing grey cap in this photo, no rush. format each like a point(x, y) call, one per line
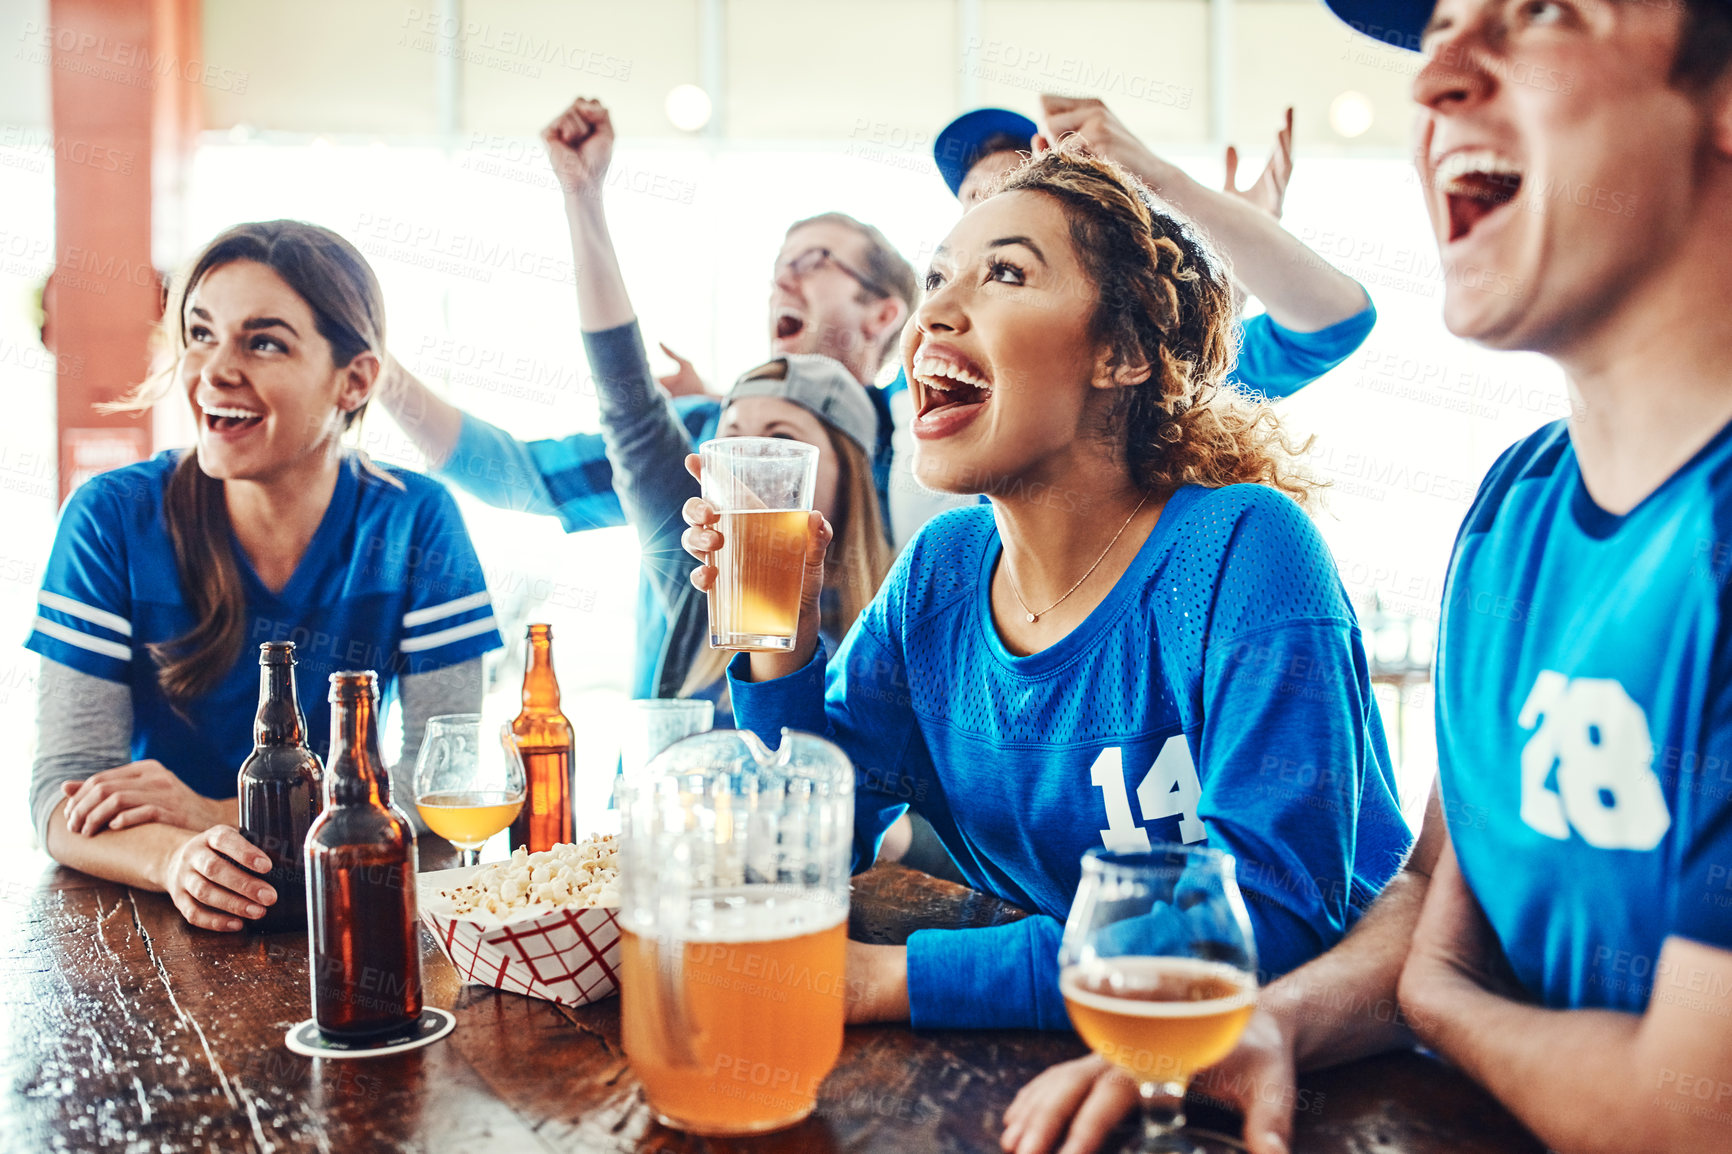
point(801, 397)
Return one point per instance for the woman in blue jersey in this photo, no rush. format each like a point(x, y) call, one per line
point(1142, 639)
point(167, 575)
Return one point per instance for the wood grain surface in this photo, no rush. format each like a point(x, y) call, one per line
point(127, 1030)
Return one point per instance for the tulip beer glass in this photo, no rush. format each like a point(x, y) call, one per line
point(654, 724)
point(466, 790)
point(1158, 971)
point(762, 487)
point(734, 886)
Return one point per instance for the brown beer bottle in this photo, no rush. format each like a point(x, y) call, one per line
point(281, 788)
point(544, 736)
point(363, 947)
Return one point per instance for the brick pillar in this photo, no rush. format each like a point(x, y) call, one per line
point(121, 100)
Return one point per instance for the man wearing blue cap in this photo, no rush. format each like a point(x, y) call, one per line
point(1315, 315)
point(1563, 932)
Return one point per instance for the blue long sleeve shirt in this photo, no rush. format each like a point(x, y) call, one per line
point(1219, 694)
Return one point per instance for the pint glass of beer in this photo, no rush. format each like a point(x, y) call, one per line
point(1159, 973)
point(734, 919)
point(762, 487)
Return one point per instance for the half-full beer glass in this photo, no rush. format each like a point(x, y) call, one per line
point(1159, 973)
point(762, 487)
point(734, 885)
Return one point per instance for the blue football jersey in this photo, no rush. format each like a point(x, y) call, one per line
point(1585, 724)
point(1219, 695)
point(390, 582)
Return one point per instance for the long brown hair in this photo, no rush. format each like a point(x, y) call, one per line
point(348, 309)
point(859, 556)
point(1164, 300)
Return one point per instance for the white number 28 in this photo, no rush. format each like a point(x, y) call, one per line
point(1169, 788)
point(1597, 739)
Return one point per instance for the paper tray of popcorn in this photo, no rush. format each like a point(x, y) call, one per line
point(542, 924)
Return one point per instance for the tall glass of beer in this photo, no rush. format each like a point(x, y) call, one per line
point(653, 724)
point(1159, 973)
point(762, 487)
point(734, 919)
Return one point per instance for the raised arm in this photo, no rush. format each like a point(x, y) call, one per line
point(647, 443)
point(1301, 291)
point(431, 422)
point(580, 146)
point(486, 461)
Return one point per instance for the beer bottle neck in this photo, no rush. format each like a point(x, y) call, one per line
point(540, 687)
point(356, 773)
point(279, 720)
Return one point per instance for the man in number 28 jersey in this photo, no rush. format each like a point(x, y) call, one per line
point(1565, 935)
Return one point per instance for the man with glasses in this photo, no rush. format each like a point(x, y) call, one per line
point(838, 289)
point(842, 290)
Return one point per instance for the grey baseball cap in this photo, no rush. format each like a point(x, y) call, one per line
point(821, 386)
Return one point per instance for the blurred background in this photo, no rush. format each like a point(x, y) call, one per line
point(133, 130)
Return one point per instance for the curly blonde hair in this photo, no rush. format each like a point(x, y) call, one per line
point(1165, 300)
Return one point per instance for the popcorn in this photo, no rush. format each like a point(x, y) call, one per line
point(545, 925)
point(580, 876)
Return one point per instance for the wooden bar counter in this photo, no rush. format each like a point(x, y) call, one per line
point(127, 1030)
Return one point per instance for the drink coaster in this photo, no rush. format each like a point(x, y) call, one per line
point(429, 1028)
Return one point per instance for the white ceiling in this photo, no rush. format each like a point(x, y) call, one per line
point(883, 72)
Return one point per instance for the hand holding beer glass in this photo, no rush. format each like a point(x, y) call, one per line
point(734, 912)
point(761, 490)
point(464, 793)
point(1158, 971)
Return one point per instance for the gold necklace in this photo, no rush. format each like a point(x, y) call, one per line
point(1017, 593)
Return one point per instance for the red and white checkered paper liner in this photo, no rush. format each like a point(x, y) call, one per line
point(570, 956)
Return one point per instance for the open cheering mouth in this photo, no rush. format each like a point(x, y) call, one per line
point(789, 324)
point(944, 377)
point(1475, 182)
point(229, 418)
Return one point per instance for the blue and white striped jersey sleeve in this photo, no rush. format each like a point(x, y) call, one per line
point(569, 477)
point(449, 615)
point(84, 611)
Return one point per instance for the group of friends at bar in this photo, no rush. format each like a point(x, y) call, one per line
point(1061, 587)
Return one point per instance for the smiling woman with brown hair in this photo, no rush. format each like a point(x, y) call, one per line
point(166, 573)
point(1141, 639)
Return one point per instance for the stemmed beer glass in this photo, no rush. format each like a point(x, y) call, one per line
point(465, 792)
point(1159, 973)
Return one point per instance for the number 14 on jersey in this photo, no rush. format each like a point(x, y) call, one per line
point(1169, 789)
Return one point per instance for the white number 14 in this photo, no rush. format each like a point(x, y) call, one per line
point(1169, 788)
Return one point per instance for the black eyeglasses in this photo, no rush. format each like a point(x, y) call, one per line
point(814, 259)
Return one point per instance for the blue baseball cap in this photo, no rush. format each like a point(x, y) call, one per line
point(1397, 23)
point(958, 147)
